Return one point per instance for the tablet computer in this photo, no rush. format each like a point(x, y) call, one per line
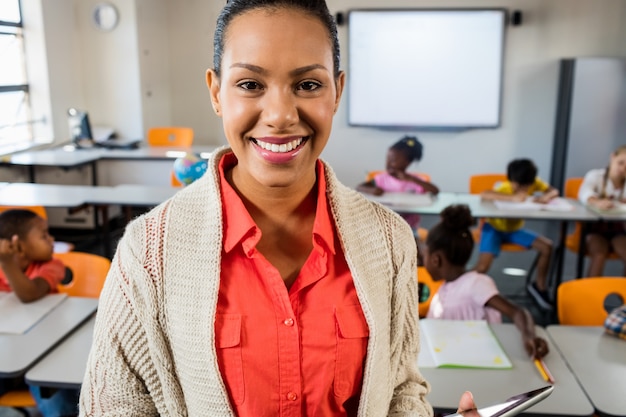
point(510, 406)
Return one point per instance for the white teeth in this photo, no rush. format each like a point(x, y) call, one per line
point(285, 147)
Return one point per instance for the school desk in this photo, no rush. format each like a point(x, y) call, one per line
point(19, 351)
point(64, 366)
point(490, 386)
point(579, 212)
point(75, 196)
point(598, 361)
point(107, 166)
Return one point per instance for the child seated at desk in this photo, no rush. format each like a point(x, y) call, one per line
point(28, 269)
point(395, 178)
point(522, 182)
point(26, 264)
point(605, 189)
point(469, 295)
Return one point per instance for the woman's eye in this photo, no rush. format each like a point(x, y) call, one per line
point(309, 85)
point(249, 85)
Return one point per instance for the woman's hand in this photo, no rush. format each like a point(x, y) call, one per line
point(467, 407)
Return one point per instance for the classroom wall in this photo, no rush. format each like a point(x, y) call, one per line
point(117, 76)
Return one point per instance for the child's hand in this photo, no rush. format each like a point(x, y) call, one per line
point(536, 347)
point(604, 204)
point(8, 249)
point(519, 197)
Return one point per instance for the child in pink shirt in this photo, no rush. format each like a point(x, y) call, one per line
point(469, 295)
point(396, 179)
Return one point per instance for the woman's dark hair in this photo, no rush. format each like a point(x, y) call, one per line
point(410, 147)
point(234, 8)
point(452, 235)
point(522, 171)
point(15, 222)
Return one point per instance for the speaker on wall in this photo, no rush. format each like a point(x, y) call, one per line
point(516, 17)
point(339, 18)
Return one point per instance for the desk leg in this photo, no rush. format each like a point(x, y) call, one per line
point(582, 249)
point(556, 275)
point(106, 230)
point(94, 173)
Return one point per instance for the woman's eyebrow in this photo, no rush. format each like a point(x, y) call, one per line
point(261, 70)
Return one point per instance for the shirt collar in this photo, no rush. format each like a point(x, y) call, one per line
point(239, 225)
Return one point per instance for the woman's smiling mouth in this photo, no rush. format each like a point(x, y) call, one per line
point(282, 147)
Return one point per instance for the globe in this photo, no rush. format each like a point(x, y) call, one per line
point(189, 168)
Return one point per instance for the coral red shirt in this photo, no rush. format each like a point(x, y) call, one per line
point(297, 352)
point(52, 271)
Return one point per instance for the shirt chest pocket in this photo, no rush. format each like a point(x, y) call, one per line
point(352, 337)
point(228, 343)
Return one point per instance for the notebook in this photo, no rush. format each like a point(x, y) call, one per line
point(460, 344)
point(556, 204)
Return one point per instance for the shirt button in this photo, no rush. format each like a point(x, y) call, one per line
point(292, 396)
point(288, 322)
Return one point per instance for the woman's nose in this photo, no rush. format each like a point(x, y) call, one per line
point(280, 110)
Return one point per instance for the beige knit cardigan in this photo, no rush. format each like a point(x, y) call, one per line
point(153, 349)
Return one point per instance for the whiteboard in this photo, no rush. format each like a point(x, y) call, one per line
point(425, 68)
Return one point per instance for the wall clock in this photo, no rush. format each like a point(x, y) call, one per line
point(105, 16)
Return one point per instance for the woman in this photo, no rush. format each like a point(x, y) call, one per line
point(266, 287)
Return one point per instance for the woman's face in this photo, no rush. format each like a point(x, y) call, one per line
point(277, 96)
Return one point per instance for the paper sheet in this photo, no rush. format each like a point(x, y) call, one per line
point(556, 204)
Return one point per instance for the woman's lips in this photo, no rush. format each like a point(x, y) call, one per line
point(279, 153)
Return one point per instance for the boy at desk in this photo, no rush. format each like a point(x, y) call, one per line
point(522, 182)
point(28, 269)
point(26, 264)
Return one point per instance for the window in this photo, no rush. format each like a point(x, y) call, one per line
point(15, 114)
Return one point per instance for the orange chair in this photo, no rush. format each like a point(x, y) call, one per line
point(170, 136)
point(19, 400)
point(422, 233)
point(174, 181)
point(427, 289)
point(484, 182)
point(89, 272)
point(587, 302)
point(572, 240)
point(59, 247)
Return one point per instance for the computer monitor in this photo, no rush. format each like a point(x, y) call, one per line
point(80, 128)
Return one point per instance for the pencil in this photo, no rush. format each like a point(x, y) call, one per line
point(541, 369)
point(547, 371)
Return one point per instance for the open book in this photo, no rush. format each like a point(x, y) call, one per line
point(460, 344)
point(556, 204)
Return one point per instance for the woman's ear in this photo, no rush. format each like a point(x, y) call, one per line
point(213, 83)
point(339, 84)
